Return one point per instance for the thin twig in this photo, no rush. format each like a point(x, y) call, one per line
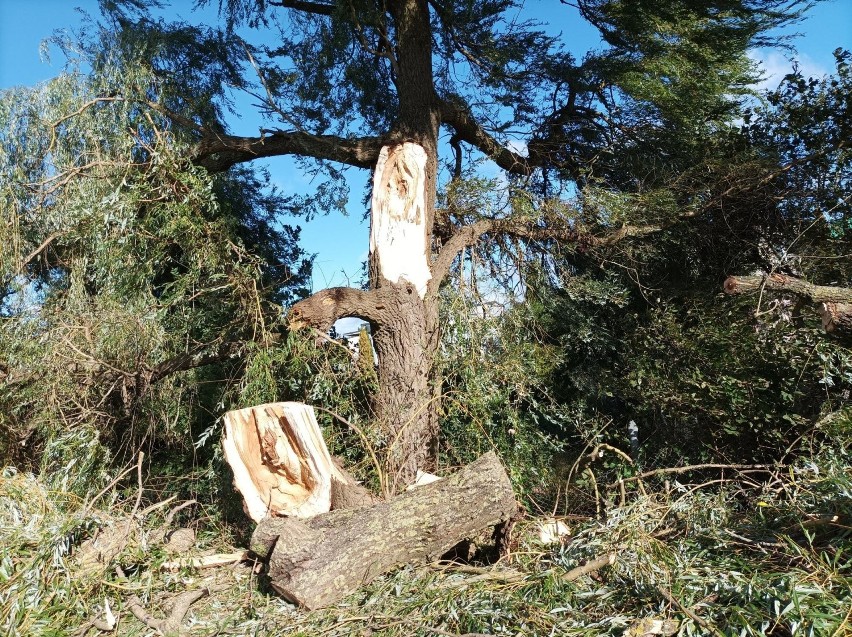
point(694, 467)
point(589, 567)
point(701, 622)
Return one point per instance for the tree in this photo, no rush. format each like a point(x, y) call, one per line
point(132, 282)
point(652, 340)
point(374, 84)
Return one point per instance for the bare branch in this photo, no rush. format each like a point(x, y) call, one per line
point(217, 152)
point(524, 229)
point(205, 354)
point(469, 130)
point(317, 8)
point(32, 255)
point(322, 309)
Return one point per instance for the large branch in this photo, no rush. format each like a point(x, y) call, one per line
point(318, 561)
point(835, 302)
point(791, 284)
point(317, 8)
point(201, 356)
point(322, 309)
point(469, 130)
point(217, 152)
point(470, 234)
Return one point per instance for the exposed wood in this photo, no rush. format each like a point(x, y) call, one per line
point(318, 561)
point(399, 242)
point(206, 561)
point(837, 317)
point(280, 461)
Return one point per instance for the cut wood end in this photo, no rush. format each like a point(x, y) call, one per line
point(422, 478)
point(730, 285)
point(280, 461)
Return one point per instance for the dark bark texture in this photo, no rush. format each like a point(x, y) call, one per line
point(318, 561)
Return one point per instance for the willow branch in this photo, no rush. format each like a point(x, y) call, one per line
point(201, 356)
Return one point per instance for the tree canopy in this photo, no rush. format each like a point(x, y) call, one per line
point(129, 193)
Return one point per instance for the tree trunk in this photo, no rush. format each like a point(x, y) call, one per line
point(399, 254)
point(401, 309)
point(318, 561)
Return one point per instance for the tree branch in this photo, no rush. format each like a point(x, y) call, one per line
point(784, 283)
point(317, 8)
point(470, 234)
point(206, 354)
point(835, 303)
point(322, 309)
point(217, 152)
point(469, 130)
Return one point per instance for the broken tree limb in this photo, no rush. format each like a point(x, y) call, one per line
point(791, 284)
point(835, 303)
point(281, 464)
point(589, 567)
point(206, 561)
point(318, 561)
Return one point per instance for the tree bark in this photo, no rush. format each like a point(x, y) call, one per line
point(318, 561)
point(403, 320)
point(835, 303)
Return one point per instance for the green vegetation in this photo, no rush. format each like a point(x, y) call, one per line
point(147, 267)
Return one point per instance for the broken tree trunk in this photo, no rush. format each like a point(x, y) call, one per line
point(318, 561)
point(281, 464)
point(835, 303)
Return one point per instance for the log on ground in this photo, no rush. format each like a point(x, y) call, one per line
point(318, 561)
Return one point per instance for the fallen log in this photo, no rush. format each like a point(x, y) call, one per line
point(281, 464)
point(835, 303)
point(318, 561)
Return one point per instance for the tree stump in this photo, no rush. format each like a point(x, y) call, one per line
point(281, 464)
point(318, 561)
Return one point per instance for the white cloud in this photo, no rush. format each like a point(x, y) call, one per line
point(775, 65)
point(519, 147)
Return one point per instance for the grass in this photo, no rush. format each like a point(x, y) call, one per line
point(740, 557)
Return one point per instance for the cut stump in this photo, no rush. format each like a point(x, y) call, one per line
point(318, 561)
point(281, 464)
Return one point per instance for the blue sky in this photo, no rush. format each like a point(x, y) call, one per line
point(341, 244)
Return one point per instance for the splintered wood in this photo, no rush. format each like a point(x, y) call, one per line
point(280, 461)
point(398, 238)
